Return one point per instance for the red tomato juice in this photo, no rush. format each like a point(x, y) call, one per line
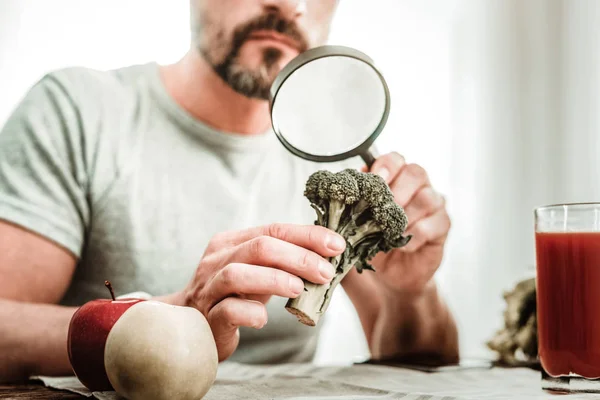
point(568, 302)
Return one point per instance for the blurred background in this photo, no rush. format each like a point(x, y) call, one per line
point(497, 99)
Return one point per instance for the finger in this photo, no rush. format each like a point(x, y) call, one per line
point(276, 253)
point(425, 203)
point(430, 230)
point(313, 237)
point(410, 180)
point(388, 166)
point(227, 316)
point(246, 279)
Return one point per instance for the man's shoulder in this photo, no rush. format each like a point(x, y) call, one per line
point(86, 83)
point(96, 113)
point(103, 103)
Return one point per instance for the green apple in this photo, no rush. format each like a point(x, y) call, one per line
point(160, 351)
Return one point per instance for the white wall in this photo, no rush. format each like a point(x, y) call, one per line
point(38, 36)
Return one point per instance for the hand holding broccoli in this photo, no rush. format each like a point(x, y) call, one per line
point(241, 270)
point(361, 208)
point(409, 270)
point(391, 216)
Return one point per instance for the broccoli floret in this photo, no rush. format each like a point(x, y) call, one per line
point(361, 208)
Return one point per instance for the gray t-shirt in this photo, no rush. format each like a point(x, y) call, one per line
point(107, 165)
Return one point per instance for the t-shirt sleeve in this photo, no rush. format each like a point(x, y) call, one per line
point(43, 177)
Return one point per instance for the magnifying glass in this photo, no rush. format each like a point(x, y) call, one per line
point(329, 103)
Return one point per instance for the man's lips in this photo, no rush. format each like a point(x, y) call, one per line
point(277, 37)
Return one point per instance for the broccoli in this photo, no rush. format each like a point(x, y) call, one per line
point(361, 208)
point(517, 342)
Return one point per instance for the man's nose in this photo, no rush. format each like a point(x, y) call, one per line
point(289, 9)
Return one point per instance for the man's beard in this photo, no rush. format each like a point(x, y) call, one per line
point(250, 82)
point(255, 83)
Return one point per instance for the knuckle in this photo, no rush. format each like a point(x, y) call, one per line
point(417, 171)
point(218, 241)
point(230, 275)
point(277, 230)
point(396, 188)
point(196, 298)
point(204, 304)
point(418, 233)
point(447, 221)
point(218, 237)
point(227, 312)
point(429, 198)
point(314, 235)
point(208, 262)
point(260, 245)
point(398, 158)
point(440, 200)
point(307, 261)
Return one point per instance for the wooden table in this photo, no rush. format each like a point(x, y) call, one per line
point(34, 390)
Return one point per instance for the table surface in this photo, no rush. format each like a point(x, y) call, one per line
point(310, 382)
point(35, 390)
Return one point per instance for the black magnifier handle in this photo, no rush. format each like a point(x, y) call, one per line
point(368, 158)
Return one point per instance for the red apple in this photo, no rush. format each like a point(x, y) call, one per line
point(88, 331)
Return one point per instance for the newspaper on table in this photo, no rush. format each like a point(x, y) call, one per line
point(360, 381)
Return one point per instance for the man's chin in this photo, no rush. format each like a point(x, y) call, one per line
point(252, 83)
point(254, 68)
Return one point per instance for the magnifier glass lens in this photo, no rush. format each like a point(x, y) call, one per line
point(330, 105)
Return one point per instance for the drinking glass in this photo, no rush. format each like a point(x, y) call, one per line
point(567, 241)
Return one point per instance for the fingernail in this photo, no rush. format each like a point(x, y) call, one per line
point(296, 285)
point(335, 243)
point(326, 269)
point(384, 173)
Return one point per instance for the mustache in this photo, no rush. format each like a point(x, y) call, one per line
point(270, 22)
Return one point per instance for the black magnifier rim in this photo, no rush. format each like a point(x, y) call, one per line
point(312, 55)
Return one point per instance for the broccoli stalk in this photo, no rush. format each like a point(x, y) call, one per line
point(361, 208)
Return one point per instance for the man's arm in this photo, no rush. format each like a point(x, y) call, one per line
point(416, 328)
point(411, 327)
point(44, 213)
point(33, 335)
point(399, 306)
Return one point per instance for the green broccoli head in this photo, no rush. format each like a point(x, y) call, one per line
point(359, 206)
point(343, 188)
point(373, 188)
point(392, 220)
point(315, 182)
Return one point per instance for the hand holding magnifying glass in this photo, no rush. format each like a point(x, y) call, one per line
point(329, 103)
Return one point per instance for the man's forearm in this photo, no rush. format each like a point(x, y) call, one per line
point(415, 327)
point(33, 340)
